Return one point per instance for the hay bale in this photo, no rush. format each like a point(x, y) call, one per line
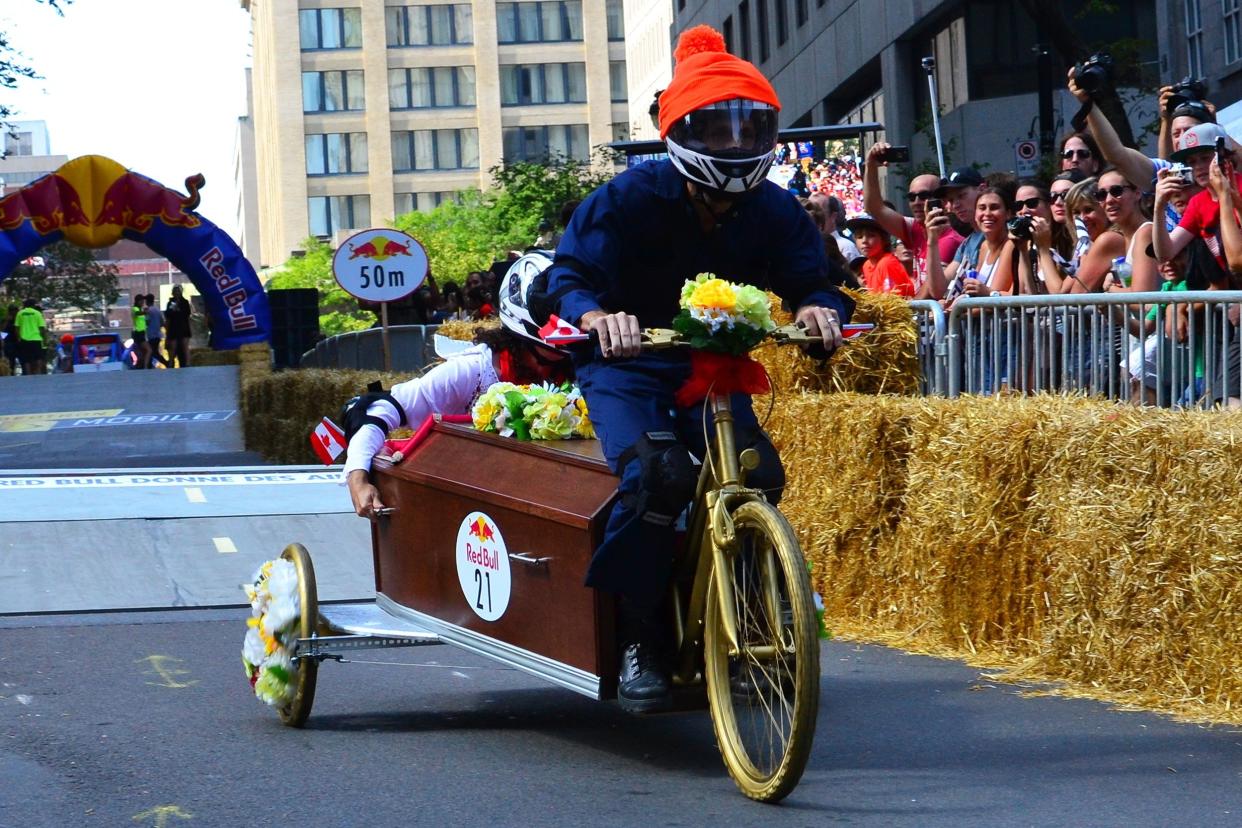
point(1061, 538)
point(884, 361)
point(464, 329)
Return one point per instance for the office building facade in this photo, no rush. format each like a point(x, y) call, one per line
point(366, 109)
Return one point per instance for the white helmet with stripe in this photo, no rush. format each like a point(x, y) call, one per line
point(525, 280)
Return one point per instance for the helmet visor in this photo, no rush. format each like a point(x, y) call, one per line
point(728, 129)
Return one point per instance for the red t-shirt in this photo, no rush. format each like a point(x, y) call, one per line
point(1202, 217)
point(915, 238)
point(886, 275)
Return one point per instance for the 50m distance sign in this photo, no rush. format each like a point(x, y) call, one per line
point(380, 265)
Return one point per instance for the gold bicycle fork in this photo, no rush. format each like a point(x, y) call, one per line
point(711, 543)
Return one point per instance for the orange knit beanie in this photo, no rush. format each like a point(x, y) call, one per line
point(706, 74)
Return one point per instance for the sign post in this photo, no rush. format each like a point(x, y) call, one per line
point(380, 265)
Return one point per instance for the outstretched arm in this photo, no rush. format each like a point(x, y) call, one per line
point(893, 222)
point(1136, 167)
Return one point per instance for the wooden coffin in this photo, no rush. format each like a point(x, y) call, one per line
point(489, 546)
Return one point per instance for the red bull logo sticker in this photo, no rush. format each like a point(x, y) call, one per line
point(483, 566)
point(380, 265)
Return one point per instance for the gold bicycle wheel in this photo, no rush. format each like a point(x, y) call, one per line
point(296, 712)
point(764, 697)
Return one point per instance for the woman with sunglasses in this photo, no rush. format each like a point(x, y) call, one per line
point(1121, 202)
point(1079, 152)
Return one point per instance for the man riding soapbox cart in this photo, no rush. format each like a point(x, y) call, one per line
point(484, 542)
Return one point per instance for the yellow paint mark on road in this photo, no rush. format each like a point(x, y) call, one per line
point(45, 420)
point(194, 494)
point(224, 546)
point(160, 814)
point(161, 665)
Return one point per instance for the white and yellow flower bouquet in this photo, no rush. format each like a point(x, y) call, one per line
point(722, 316)
point(533, 412)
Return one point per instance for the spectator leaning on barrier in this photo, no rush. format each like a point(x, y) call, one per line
point(960, 192)
point(1063, 227)
point(1122, 203)
point(1103, 243)
point(882, 272)
point(910, 231)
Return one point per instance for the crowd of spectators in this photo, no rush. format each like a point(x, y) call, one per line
point(1110, 220)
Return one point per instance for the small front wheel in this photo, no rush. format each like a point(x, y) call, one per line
point(764, 694)
point(298, 709)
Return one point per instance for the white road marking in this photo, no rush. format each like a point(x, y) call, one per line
point(224, 546)
point(194, 494)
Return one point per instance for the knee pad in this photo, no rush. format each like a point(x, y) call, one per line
point(667, 479)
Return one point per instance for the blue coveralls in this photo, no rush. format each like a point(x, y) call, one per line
point(629, 248)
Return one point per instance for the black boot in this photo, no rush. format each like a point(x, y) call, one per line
point(644, 685)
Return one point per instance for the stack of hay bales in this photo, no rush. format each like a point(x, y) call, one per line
point(1065, 538)
point(883, 361)
point(206, 357)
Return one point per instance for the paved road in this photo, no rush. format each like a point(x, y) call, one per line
point(123, 419)
point(105, 718)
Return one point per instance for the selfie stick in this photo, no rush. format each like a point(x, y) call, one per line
point(929, 66)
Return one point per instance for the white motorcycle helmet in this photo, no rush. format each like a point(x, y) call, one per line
point(525, 280)
point(727, 146)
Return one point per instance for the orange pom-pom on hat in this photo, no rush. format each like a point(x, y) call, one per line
point(706, 74)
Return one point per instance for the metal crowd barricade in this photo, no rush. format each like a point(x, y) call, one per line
point(1099, 344)
point(929, 322)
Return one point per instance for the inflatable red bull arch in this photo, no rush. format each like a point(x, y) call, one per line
point(93, 201)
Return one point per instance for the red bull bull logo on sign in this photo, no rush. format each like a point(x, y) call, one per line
point(483, 566)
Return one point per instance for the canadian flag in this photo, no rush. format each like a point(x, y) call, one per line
point(328, 441)
point(560, 332)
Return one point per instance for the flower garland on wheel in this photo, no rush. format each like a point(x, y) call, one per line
point(272, 631)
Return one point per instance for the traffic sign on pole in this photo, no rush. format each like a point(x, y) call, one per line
point(380, 265)
point(1026, 158)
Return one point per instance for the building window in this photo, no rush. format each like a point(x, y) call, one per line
point(549, 21)
point(762, 11)
point(334, 91)
point(800, 12)
point(540, 143)
point(743, 17)
point(542, 83)
point(616, 81)
point(782, 22)
point(728, 35)
point(1194, 39)
point(336, 153)
point(1233, 30)
point(328, 214)
point(429, 25)
point(18, 143)
point(424, 202)
point(431, 87)
point(620, 132)
point(616, 20)
point(330, 29)
point(435, 149)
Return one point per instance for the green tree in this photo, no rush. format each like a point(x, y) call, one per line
point(13, 68)
point(69, 277)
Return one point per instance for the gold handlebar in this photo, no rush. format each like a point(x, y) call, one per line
point(658, 339)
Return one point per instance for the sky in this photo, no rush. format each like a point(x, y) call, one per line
point(156, 85)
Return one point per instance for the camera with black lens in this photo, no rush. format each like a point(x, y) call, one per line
point(1020, 228)
point(1095, 74)
point(1187, 90)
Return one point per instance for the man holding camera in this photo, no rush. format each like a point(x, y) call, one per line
point(911, 231)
